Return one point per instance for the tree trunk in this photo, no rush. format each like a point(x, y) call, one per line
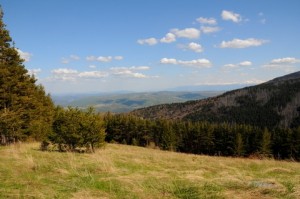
point(3, 139)
point(93, 149)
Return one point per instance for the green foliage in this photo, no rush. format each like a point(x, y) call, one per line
point(25, 110)
point(73, 128)
point(167, 136)
point(265, 144)
point(223, 139)
point(134, 142)
point(239, 147)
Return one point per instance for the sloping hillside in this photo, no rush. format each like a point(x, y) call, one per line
point(127, 172)
point(274, 103)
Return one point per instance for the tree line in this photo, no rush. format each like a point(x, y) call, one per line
point(222, 139)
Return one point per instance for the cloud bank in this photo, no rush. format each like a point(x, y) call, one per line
point(197, 63)
point(242, 43)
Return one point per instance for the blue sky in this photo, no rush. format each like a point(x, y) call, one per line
point(77, 46)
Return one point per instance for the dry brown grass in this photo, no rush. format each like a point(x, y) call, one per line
point(119, 171)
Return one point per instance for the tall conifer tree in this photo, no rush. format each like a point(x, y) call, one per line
point(25, 109)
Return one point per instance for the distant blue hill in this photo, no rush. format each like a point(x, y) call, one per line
point(225, 87)
point(125, 102)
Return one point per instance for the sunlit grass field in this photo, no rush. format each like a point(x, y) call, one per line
point(119, 171)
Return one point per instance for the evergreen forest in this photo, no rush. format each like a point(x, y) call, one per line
point(216, 139)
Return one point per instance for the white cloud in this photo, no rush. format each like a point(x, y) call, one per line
point(169, 38)
point(210, 21)
point(168, 61)
point(262, 18)
point(138, 75)
point(210, 29)
point(92, 66)
point(286, 60)
point(132, 68)
point(190, 33)
point(91, 58)
point(24, 55)
point(139, 68)
point(71, 57)
point(254, 81)
point(194, 47)
point(286, 64)
point(92, 74)
point(104, 59)
point(227, 66)
point(34, 71)
point(245, 63)
point(118, 57)
point(65, 60)
point(74, 57)
point(129, 71)
point(66, 74)
point(231, 16)
point(241, 64)
point(240, 43)
point(150, 41)
point(197, 63)
point(64, 71)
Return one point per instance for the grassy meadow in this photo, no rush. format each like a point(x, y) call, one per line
point(119, 171)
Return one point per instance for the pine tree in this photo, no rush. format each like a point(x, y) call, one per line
point(25, 109)
point(239, 145)
point(73, 128)
point(167, 135)
point(92, 129)
point(265, 145)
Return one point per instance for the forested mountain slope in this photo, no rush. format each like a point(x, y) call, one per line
point(273, 103)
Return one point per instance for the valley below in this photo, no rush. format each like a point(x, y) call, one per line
point(128, 101)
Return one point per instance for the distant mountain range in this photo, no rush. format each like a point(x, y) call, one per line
point(271, 104)
point(126, 102)
point(210, 87)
